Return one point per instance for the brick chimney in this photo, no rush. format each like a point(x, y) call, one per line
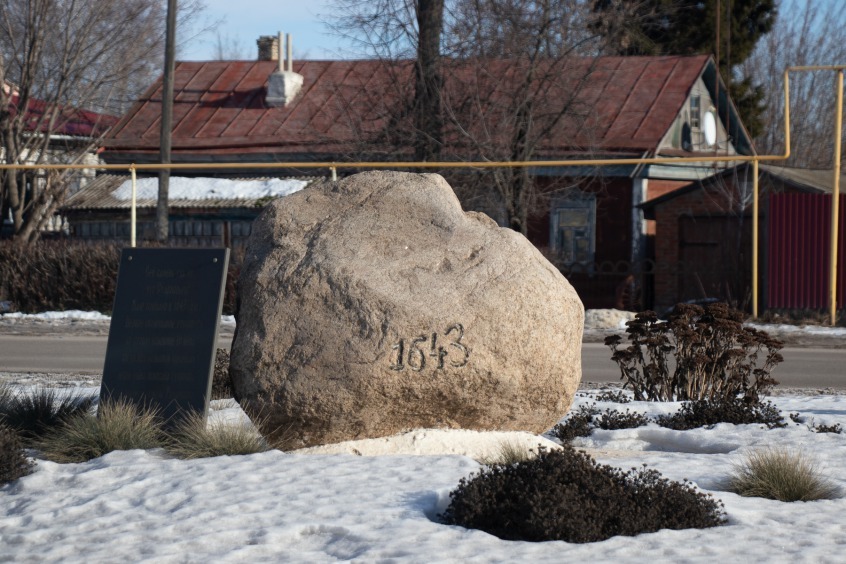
point(268, 48)
point(284, 84)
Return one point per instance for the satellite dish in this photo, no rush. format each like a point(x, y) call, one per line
point(709, 128)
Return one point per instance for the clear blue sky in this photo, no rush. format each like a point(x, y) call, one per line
point(242, 22)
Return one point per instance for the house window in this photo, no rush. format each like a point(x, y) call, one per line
point(573, 226)
point(695, 112)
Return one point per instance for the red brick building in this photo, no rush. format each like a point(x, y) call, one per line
point(703, 234)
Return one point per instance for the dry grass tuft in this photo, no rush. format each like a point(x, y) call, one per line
point(119, 426)
point(34, 413)
point(781, 475)
point(196, 438)
point(509, 452)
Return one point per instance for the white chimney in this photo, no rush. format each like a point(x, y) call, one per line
point(284, 84)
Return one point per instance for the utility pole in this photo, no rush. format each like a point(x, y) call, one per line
point(167, 121)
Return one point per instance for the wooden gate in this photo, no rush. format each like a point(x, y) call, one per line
point(714, 258)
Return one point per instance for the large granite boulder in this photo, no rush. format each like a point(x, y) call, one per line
point(375, 305)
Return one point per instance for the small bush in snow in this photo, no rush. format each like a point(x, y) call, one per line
point(615, 396)
point(716, 356)
point(120, 425)
point(13, 461)
point(821, 428)
point(738, 411)
point(587, 418)
point(32, 414)
point(565, 495)
point(612, 420)
point(579, 423)
point(781, 475)
point(194, 437)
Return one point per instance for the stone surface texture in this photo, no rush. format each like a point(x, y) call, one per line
point(375, 305)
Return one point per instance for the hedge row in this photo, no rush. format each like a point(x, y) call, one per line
point(65, 275)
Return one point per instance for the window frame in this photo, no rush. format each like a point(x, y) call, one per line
point(575, 255)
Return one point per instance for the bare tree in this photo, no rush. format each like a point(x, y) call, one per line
point(511, 79)
point(56, 58)
point(807, 32)
point(519, 82)
point(228, 48)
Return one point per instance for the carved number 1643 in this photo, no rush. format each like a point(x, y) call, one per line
point(425, 346)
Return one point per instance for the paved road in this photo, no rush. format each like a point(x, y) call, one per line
point(803, 367)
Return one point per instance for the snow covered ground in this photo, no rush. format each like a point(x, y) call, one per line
point(143, 506)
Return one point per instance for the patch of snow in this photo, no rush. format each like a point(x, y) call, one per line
point(182, 188)
point(607, 318)
point(807, 329)
point(145, 506)
point(56, 315)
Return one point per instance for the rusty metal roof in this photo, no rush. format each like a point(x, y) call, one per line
point(622, 104)
point(100, 194)
point(68, 120)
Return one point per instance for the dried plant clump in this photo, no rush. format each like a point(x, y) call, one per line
point(13, 461)
point(706, 413)
point(33, 414)
point(194, 437)
point(509, 452)
point(120, 425)
point(781, 475)
point(716, 356)
point(565, 495)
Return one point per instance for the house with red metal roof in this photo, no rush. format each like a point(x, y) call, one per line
point(346, 110)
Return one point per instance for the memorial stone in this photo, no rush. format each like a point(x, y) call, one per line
point(374, 305)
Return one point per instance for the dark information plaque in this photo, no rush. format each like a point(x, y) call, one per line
point(163, 333)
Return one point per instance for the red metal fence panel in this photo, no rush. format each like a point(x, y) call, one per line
point(799, 237)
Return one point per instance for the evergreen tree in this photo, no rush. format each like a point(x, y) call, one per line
point(689, 27)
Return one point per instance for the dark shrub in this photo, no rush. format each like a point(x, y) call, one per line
point(799, 420)
point(704, 413)
point(13, 460)
point(63, 275)
point(59, 275)
point(615, 396)
point(582, 422)
point(836, 428)
point(221, 383)
point(612, 419)
point(716, 356)
point(35, 413)
point(579, 423)
point(565, 495)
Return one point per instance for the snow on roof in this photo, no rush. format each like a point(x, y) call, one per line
point(182, 188)
point(112, 192)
